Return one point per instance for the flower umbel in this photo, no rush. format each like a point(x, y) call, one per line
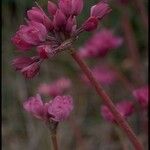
point(57, 33)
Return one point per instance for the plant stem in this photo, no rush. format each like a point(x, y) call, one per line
point(108, 102)
point(54, 141)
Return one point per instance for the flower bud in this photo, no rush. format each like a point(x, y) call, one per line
point(65, 6)
point(37, 15)
point(90, 24)
point(100, 10)
point(52, 8)
point(59, 20)
point(77, 6)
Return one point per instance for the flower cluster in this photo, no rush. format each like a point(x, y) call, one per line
point(141, 95)
point(103, 74)
point(100, 44)
point(53, 32)
point(55, 88)
point(124, 107)
point(57, 109)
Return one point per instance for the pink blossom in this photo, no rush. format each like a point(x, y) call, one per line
point(77, 6)
point(125, 108)
point(103, 74)
point(34, 105)
point(60, 108)
point(141, 95)
point(57, 109)
point(31, 70)
point(29, 67)
point(37, 15)
point(29, 35)
point(57, 87)
point(52, 8)
point(100, 44)
point(100, 10)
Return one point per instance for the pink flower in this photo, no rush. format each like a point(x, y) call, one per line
point(58, 87)
point(37, 15)
point(77, 6)
point(141, 95)
point(100, 44)
point(100, 10)
point(29, 67)
point(34, 105)
point(57, 109)
point(60, 108)
point(29, 35)
point(103, 74)
point(125, 108)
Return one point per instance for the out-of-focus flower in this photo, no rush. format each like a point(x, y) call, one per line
point(100, 44)
point(29, 67)
point(58, 87)
point(125, 108)
point(60, 108)
point(103, 74)
point(57, 109)
point(34, 105)
point(98, 11)
point(141, 95)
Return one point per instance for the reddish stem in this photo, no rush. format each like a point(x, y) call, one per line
point(108, 102)
point(54, 141)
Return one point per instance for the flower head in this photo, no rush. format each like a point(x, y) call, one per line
point(54, 34)
point(125, 108)
point(141, 95)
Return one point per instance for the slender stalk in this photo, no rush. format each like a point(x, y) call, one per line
point(143, 13)
point(133, 48)
point(54, 141)
point(108, 102)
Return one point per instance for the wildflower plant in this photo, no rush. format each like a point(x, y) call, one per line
point(51, 34)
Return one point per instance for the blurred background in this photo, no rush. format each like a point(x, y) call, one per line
point(85, 129)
